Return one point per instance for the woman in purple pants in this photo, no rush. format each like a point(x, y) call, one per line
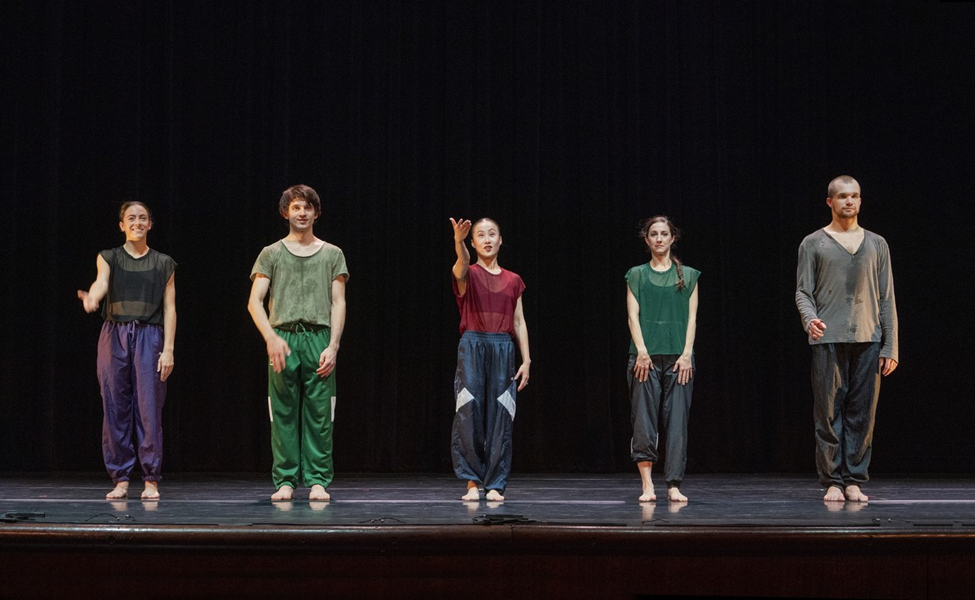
point(135, 350)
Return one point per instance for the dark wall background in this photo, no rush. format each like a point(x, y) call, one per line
point(566, 121)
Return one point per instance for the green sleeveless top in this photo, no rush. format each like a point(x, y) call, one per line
point(663, 309)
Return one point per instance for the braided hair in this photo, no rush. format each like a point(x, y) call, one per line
point(674, 233)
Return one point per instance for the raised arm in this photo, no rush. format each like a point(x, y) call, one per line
point(277, 348)
point(166, 362)
point(326, 362)
point(461, 228)
point(643, 363)
point(684, 365)
point(96, 293)
point(521, 334)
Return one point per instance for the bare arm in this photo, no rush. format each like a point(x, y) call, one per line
point(684, 362)
point(326, 362)
point(166, 363)
point(99, 288)
point(643, 363)
point(277, 348)
point(463, 264)
point(521, 334)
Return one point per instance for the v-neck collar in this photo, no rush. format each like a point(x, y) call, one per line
point(837, 242)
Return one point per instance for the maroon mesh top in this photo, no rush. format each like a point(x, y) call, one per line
point(489, 303)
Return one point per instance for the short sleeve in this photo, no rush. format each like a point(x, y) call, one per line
point(264, 265)
point(169, 267)
point(633, 279)
point(519, 286)
point(692, 275)
point(109, 257)
point(339, 268)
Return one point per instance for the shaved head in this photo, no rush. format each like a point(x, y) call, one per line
point(837, 182)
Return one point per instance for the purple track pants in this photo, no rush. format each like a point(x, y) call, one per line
point(132, 397)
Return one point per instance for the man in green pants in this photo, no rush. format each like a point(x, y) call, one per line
point(306, 277)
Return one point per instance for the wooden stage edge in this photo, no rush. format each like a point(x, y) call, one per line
point(516, 560)
point(408, 536)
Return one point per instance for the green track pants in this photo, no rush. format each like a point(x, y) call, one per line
point(302, 406)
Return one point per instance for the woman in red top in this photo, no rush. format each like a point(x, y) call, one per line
point(486, 383)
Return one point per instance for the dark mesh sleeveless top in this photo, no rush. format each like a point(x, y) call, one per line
point(136, 286)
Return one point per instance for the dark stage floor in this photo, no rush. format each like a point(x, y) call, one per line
point(596, 500)
point(565, 536)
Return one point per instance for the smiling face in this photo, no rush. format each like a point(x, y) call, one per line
point(845, 200)
point(659, 239)
point(135, 223)
point(301, 215)
point(486, 239)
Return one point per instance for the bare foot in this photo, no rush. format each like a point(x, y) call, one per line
point(472, 494)
point(318, 493)
point(674, 495)
point(675, 507)
point(494, 496)
point(151, 492)
point(646, 470)
point(834, 494)
point(853, 494)
point(284, 494)
point(121, 491)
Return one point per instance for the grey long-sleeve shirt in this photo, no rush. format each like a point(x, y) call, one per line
point(852, 293)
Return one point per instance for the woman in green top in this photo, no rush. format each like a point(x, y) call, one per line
point(661, 305)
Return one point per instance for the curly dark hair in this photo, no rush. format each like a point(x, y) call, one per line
point(299, 192)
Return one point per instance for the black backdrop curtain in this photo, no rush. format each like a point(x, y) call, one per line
point(567, 122)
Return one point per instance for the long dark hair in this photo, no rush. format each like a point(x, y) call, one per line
point(674, 233)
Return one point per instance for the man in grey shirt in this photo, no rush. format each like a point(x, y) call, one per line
point(845, 296)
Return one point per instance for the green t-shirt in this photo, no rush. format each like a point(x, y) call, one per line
point(301, 286)
point(663, 309)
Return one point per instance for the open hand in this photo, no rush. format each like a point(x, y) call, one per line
point(684, 369)
point(461, 228)
point(642, 367)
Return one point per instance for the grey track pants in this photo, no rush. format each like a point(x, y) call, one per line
point(660, 400)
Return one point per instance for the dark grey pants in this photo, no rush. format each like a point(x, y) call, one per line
point(846, 386)
point(485, 393)
point(660, 399)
